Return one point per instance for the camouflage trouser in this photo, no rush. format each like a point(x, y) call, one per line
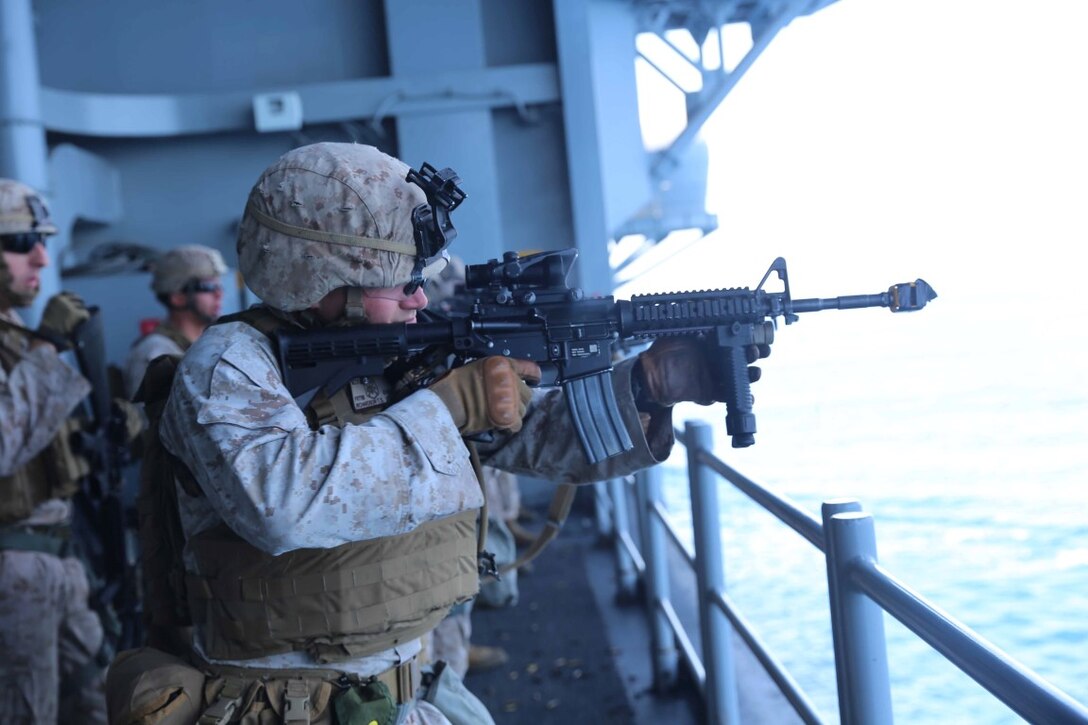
point(47, 635)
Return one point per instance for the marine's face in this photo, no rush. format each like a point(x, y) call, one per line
point(25, 273)
point(383, 305)
point(208, 300)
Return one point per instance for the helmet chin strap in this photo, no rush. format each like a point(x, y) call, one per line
point(355, 308)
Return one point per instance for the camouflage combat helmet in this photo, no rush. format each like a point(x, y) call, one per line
point(174, 270)
point(22, 210)
point(326, 216)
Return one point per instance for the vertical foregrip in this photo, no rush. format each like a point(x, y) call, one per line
point(740, 421)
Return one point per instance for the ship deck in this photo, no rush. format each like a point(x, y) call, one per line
point(577, 655)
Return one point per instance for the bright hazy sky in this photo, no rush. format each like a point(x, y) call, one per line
point(882, 140)
point(943, 136)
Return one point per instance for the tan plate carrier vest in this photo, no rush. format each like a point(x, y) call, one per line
point(351, 601)
point(55, 472)
point(171, 333)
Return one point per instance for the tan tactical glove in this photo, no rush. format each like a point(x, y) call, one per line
point(677, 369)
point(63, 314)
point(127, 420)
point(487, 394)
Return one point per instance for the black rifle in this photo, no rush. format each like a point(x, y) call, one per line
point(103, 525)
point(524, 308)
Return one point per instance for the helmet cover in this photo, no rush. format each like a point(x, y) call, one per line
point(173, 270)
point(326, 216)
point(23, 210)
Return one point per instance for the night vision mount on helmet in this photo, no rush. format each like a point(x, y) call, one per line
point(433, 230)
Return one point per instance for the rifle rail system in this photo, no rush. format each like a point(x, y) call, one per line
point(522, 307)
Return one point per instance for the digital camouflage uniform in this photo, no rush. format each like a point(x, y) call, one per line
point(152, 345)
point(48, 635)
point(284, 485)
point(171, 273)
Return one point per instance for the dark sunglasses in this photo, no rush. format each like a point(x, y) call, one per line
point(21, 243)
point(201, 286)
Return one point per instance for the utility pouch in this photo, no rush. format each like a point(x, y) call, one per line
point(147, 686)
point(265, 696)
point(364, 704)
point(70, 467)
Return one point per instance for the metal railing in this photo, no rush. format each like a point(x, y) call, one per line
point(859, 590)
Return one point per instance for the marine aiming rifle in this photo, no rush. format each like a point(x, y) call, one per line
point(524, 308)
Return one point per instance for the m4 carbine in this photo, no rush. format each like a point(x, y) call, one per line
point(522, 307)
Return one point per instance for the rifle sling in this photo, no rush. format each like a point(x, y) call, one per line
point(558, 511)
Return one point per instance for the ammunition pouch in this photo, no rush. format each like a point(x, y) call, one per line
point(316, 696)
point(56, 472)
point(149, 686)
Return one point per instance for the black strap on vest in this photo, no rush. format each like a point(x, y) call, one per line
point(16, 538)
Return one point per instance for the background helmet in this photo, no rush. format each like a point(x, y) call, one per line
point(22, 214)
point(22, 210)
point(326, 216)
point(173, 270)
point(443, 288)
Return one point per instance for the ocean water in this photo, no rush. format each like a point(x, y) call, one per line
point(973, 463)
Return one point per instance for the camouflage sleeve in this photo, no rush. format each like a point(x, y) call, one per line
point(282, 486)
point(36, 396)
point(548, 446)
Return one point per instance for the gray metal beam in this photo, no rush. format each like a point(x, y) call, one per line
point(426, 35)
point(151, 115)
point(22, 135)
point(609, 179)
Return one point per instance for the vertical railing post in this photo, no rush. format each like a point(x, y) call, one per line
point(721, 686)
point(663, 642)
point(603, 509)
point(626, 573)
point(827, 510)
point(857, 623)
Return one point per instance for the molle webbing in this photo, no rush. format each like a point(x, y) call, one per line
point(173, 335)
point(53, 473)
point(357, 599)
point(56, 471)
